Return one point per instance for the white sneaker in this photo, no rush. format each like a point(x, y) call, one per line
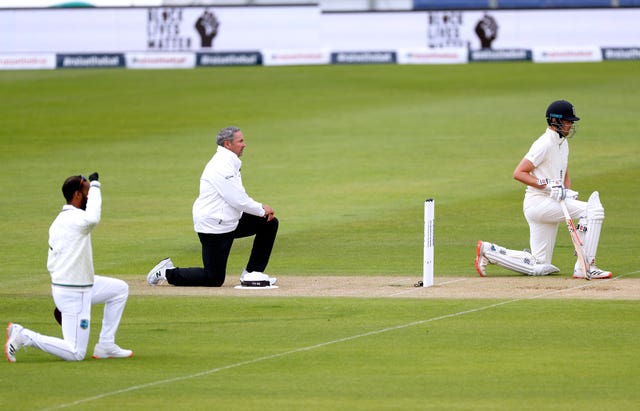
point(481, 260)
point(594, 273)
point(157, 275)
point(15, 341)
point(111, 351)
point(256, 276)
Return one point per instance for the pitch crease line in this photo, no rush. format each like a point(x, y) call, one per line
point(324, 344)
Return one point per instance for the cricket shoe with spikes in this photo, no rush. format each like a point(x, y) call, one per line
point(594, 273)
point(481, 261)
point(15, 341)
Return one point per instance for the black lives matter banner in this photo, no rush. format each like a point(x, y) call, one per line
point(159, 29)
point(185, 37)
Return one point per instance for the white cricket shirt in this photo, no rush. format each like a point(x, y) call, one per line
point(222, 198)
point(550, 156)
point(70, 259)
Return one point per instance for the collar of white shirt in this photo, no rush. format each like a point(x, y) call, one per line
point(229, 156)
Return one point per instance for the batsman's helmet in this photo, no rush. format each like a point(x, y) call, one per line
point(561, 110)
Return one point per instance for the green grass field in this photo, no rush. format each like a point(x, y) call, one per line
point(346, 155)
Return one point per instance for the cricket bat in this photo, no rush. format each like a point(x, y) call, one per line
point(577, 242)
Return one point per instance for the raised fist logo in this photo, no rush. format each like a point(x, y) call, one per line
point(207, 26)
point(487, 31)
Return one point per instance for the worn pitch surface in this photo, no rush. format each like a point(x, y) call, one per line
point(404, 287)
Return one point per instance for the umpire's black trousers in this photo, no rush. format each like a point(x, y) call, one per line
point(216, 249)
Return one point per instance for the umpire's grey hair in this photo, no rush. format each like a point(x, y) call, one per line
point(226, 134)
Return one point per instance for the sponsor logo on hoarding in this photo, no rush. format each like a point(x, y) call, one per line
point(500, 55)
point(294, 57)
point(433, 56)
point(89, 60)
point(364, 57)
point(20, 61)
point(621, 53)
point(566, 54)
point(229, 59)
point(297, 56)
point(27, 61)
point(439, 55)
point(160, 60)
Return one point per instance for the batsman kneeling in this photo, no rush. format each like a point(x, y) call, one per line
point(544, 170)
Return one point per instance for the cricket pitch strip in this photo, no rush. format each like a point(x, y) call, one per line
point(499, 287)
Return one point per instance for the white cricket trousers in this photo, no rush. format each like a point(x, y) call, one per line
point(543, 215)
point(75, 306)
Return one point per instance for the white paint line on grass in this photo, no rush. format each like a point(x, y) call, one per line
point(593, 283)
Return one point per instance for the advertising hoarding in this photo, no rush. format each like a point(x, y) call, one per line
point(302, 34)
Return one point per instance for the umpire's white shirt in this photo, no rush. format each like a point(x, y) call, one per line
point(70, 259)
point(222, 198)
point(550, 156)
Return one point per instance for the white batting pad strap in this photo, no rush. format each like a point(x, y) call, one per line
point(519, 261)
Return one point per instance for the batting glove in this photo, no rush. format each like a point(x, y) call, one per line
point(544, 181)
point(558, 193)
point(573, 195)
point(93, 177)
